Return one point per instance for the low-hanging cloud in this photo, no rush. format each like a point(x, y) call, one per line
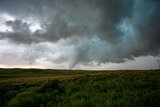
point(95, 30)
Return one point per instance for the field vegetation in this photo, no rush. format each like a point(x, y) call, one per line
point(73, 88)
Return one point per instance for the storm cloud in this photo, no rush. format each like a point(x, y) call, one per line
point(83, 31)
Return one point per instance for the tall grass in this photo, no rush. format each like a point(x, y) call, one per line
point(98, 89)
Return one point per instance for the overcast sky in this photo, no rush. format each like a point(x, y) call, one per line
point(80, 34)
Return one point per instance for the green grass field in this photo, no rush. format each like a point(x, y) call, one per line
point(66, 88)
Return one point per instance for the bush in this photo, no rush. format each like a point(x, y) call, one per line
point(26, 99)
point(49, 87)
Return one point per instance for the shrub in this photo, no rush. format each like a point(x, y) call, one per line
point(26, 99)
point(50, 86)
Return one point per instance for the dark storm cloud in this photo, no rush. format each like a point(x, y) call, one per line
point(149, 27)
point(74, 17)
point(23, 8)
point(112, 30)
point(20, 33)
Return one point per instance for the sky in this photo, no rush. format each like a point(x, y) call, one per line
point(80, 34)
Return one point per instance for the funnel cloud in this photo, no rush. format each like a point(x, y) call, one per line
point(68, 33)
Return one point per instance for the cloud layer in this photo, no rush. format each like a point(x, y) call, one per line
point(82, 31)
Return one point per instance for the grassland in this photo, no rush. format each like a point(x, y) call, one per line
point(65, 88)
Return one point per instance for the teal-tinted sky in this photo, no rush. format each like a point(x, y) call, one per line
point(80, 34)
